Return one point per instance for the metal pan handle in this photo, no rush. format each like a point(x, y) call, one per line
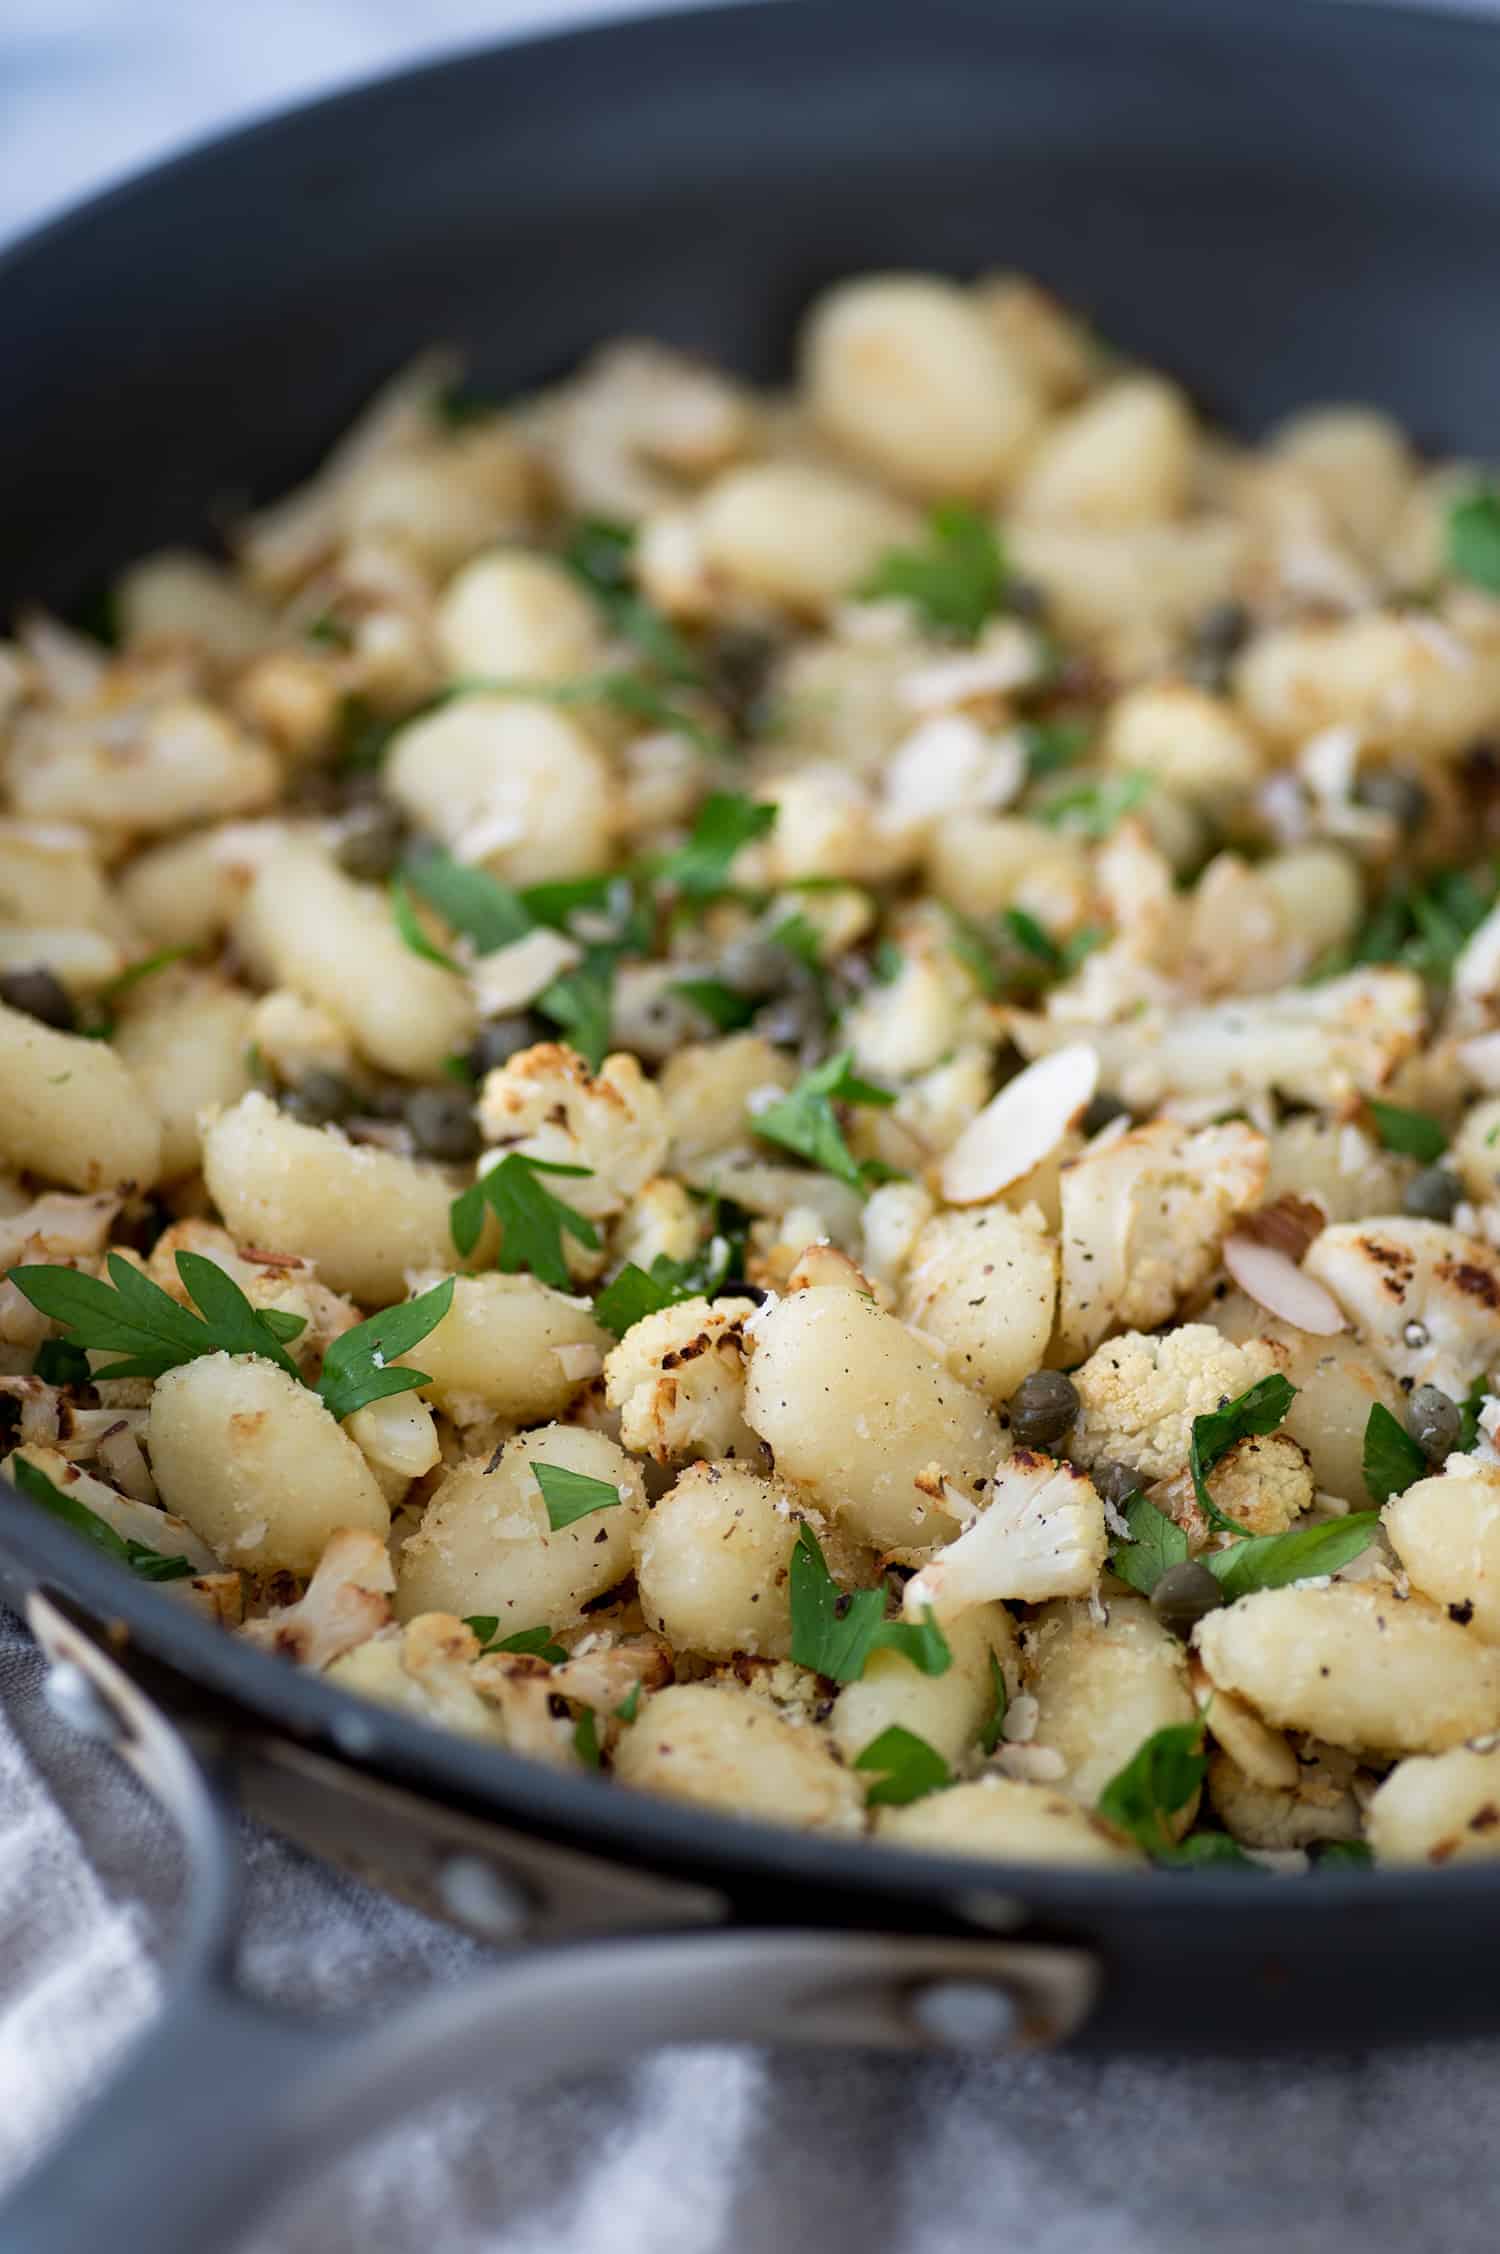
point(226, 2105)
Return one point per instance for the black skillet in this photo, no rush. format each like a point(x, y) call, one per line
point(1281, 203)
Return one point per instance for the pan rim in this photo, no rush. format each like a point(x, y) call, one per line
point(581, 1811)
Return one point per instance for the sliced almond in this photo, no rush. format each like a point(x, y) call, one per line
point(510, 977)
point(1275, 1282)
point(1019, 1127)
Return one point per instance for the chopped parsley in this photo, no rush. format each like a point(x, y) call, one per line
point(596, 552)
point(1345, 1854)
point(1249, 1416)
point(1274, 1561)
point(630, 1704)
point(571, 1495)
point(538, 1643)
point(487, 912)
point(1392, 1460)
point(992, 1728)
point(1156, 1543)
point(1422, 927)
point(723, 825)
point(637, 1292)
point(1058, 959)
point(835, 1630)
point(409, 925)
point(804, 1120)
point(1051, 745)
point(134, 1317)
point(147, 1564)
point(60, 1362)
point(1414, 1134)
point(586, 1738)
point(905, 1768)
point(532, 1221)
point(1474, 538)
point(954, 583)
point(1093, 809)
point(724, 1009)
point(1469, 1408)
point(357, 1366)
point(102, 1025)
point(1161, 1778)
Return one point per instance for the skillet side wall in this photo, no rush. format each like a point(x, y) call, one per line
point(1277, 203)
point(1280, 203)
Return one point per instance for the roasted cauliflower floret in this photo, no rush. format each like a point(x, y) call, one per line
point(346, 1601)
point(1320, 1806)
point(1263, 1484)
point(1143, 1218)
point(1425, 1297)
point(1323, 1045)
point(546, 1104)
point(1041, 1534)
point(1138, 1396)
point(424, 1669)
point(678, 1381)
point(984, 1281)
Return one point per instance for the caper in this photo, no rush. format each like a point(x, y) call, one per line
point(1218, 636)
point(41, 994)
point(1115, 1481)
point(1390, 790)
point(373, 839)
point(496, 1043)
point(1433, 1195)
point(442, 1123)
point(1183, 1596)
point(1102, 1110)
point(739, 664)
point(1043, 1407)
point(1026, 599)
point(1435, 1422)
point(319, 1097)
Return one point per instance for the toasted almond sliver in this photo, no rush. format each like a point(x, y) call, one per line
point(509, 977)
point(1019, 1127)
point(1278, 1284)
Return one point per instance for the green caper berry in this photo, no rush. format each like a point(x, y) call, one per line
point(372, 843)
point(1043, 1407)
point(1435, 1422)
point(1099, 1113)
point(1387, 790)
point(318, 1098)
point(39, 993)
point(1114, 1481)
point(442, 1123)
point(1184, 1595)
point(504, 1037)
point(1433, 1195)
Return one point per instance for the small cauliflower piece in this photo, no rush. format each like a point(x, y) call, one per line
point(424, 1669)
point(722, 1747)
point(485, 1544)
point(865, 1414)
point(1002, 1820)
point(1425, 1297)
point(1322, 1045)
point(1138, 1395)
point(707, 1086)
point(1143, 1218)
point(1439, 1808)
point(713, 1563)
point(1102, 1688)
point(546, 1104)
point(1427, 696)
point(984, 1282)
point(1338, 1382)
point(1263, 1483)
point(1355, 1664)
point(678, 1380)
point(1446, 1532)
point(346, 1601)
point(1040, 1534)
point(134, 1521)
point(1318, 1807)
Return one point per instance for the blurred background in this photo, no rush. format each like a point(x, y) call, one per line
point(92, 89)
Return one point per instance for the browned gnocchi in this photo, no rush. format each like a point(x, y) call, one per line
point(798, 1096)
